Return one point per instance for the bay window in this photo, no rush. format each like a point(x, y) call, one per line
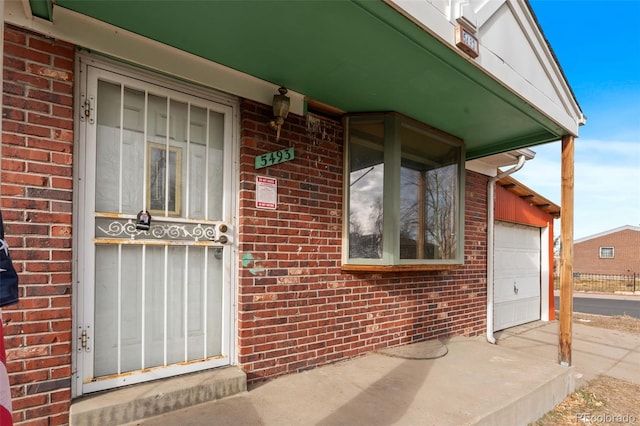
point(404, 194)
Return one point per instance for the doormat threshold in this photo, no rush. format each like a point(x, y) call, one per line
point(430, 349)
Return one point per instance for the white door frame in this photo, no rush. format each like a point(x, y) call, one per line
point(84, 228)
point(545, 270)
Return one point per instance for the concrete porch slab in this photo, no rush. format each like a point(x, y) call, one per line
point(475, 383)
point(429, 349)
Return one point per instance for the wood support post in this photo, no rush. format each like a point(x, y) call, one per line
point(566, 256)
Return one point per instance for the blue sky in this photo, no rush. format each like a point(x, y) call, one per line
point(597, 45)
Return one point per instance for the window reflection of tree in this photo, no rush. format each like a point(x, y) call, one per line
point(365, 242)
point(427, 212)
point(366, 245)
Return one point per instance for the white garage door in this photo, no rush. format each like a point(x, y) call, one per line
point(516, 275)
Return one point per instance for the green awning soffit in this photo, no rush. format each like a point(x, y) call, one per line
point(354, 56)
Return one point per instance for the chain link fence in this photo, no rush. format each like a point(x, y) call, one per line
point(603, 283)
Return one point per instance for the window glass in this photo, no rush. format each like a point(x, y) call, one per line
point(606, 252)
point(366, 175)
point(428, 196)
point(421, 169)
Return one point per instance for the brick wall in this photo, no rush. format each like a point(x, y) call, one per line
point(296, 309)
point(36, 191)
point(626, 260)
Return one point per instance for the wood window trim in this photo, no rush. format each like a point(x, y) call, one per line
point(399, 268)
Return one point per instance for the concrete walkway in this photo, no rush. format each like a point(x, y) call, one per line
point(595, 350)
point(514, 382)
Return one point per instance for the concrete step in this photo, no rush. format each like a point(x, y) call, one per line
point(525, 408)
point(136, 402)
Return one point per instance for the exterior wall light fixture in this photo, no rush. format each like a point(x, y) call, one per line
point(281, 104)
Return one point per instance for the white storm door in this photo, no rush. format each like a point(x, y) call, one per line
point(517, 265)
point(154, 303)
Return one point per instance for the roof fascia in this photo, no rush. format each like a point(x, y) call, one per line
point(609, 232)
point(431, 19)
point(531, 27)
point(489, 165)
point(510, 180)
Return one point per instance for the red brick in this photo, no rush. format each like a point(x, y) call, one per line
point(49, 72)
point(25, 154)
point(29, 401)
point(25, 129)
point(47, 410)
point(14, 166)
point(626, 253)
point(55, 47)
point(48, 121)
point(53, 97)
point(14, 36)
point(38, 133)
point(25, 179)
point(27, 79)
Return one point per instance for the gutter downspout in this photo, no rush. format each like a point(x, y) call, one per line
point(490, 234)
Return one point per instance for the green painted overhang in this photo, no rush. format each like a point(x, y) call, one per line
point(354, 56)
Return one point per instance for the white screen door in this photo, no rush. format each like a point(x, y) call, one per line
point(152, 302)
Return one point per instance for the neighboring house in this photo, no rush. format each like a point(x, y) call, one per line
point(614, 252)
point(164, 221)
